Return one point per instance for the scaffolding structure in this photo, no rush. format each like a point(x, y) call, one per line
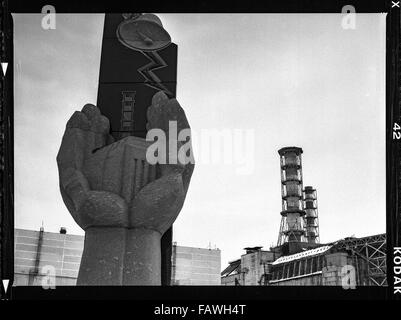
point(372, 250)
point(34, 272)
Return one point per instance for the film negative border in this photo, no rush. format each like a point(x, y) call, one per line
point(205, 6)
point(393, 149)
point(6, 153)
point(393, 162)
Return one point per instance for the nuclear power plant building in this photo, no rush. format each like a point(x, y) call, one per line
point(299, 258)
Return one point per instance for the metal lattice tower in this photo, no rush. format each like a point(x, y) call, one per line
point(292, 222)
point(311, 220)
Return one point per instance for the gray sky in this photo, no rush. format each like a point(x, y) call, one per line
point(295, 79)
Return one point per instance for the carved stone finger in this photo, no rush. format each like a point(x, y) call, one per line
point(158, 204)
point(91, 111)
point(73, 148)
point(75, 185)
point(102, 208)
point(78, 120)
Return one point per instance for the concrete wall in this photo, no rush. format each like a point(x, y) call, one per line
point(193, 266)
point(62, 251)
point(332, 272)
point(196, 266)
point(253, 267)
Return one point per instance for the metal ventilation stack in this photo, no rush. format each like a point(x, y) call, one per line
point(292, 222)
point(311, 217)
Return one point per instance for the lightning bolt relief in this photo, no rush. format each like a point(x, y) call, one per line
point(151, 79)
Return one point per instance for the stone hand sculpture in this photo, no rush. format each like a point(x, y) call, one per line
point(123, 203)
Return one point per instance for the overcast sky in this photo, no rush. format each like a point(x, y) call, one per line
point(296, 80)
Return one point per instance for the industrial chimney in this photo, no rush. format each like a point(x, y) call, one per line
point(292, 222)
point(311, 218)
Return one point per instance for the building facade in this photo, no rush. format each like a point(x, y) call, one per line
point(250, 269)
point(299, 258)
point(40, 254)
point(195, 266)
point(350, 261)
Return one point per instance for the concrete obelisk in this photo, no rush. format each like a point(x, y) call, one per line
point(137, 60)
